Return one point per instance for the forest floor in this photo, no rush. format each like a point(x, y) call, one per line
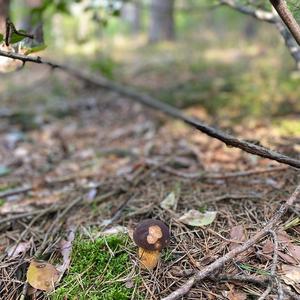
point(90, 164)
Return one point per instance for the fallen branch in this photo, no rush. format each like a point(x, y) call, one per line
point(208, 270)
point(163, 107)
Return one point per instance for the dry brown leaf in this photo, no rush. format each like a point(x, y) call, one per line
point(284, 238)
point(237, 233)
point(287, 258)
point(268, 247)
point(291, 274)
point(294, 251)
point(233, 294)
point(42, 275)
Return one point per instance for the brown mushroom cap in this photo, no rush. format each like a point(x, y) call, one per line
point(151, 235)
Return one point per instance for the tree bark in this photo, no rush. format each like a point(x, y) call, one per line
point(161, 21)
point(131, 13)
point(4, 13)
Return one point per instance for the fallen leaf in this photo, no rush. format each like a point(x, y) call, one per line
point(21, 248)
point(42, 275)
point(284, 238)
point(287, 258)
point(169, 202)
point(235, 295)
point(237, 233)
point(291, 276)
point(268, 247)
point(294, 251)
point(65, 250)
point(114, 230)
point(196, 218)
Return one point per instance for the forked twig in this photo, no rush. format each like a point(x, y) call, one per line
point(208, 270)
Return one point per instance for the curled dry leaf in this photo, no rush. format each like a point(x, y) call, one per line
point(42, 275)
point(169, 202)
point(196, 218)
point(65, 250)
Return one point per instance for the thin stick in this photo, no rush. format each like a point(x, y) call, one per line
point(163, 107)
point(200, 275)
point(15, 191)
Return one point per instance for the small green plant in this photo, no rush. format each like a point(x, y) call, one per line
point(98, 271)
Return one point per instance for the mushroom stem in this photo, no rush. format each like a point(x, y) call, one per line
point(148, 259)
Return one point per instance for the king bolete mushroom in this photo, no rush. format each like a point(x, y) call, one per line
point(151, 236)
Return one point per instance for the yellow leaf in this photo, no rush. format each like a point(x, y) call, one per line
point(42, 275)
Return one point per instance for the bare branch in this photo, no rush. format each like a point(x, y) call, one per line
point(163, 107)
point(208, 270)
point(273, 18)
point(287, 17)
point(259, 14)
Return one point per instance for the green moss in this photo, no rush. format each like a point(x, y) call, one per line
point(97, 269)
point(289, 127)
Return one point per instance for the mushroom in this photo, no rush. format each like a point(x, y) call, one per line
point(151, 236)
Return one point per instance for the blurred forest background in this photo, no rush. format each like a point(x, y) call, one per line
point(232, 65)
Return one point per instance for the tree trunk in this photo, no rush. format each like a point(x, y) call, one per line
point(4, 13)
point(131, 13)
point(161, 20)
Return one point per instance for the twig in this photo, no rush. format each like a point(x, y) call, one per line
point(15, 191)
point(30, 213)
point(200, 275)
point(259, 14)
point(163, 107)
point(257, 280)
point(54, 228)
point(287, 17)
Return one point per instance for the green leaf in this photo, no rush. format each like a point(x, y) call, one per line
point(15, 38)
point(36, 48)
point(1, 37)
point(116, 13)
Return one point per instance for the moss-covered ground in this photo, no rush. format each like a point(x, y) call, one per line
point(100, 270)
